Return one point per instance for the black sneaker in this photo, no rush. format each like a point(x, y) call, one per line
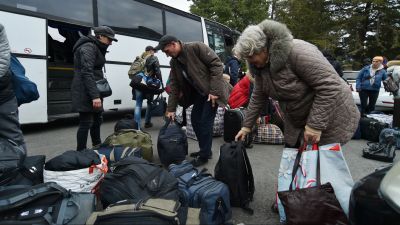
point(148, 125)
point(198, 161)
point(195, 154)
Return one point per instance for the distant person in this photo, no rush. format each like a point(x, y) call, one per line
point(232, 68)
point(152, 69)
point(196, 76)
point(334, 62)
point(317, 105)
point(89, 59)
point(9, 121)
point(368, 84)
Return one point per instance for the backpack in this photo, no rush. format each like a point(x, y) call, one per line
point(200, 190)
point(29, 173)
point(137, 66)
point(25, 90)
point(135, 178)
point(390, 85)
point(44, 204)
point(234, 169)
point(128, 122)
point(132, 138)
point(12, 157)
point(172, 145)
point(149, 211)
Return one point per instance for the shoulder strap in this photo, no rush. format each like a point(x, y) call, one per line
point(30, 194)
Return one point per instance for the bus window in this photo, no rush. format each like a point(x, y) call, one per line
point(216, 41)
point(78, 10)
point(131, 17)
point(184, 28)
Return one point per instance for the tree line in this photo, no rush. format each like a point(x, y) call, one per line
point(352, 30)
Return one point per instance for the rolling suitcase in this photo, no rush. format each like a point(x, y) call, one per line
point(233, 122)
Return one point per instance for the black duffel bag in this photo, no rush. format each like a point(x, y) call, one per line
point(11, 159)
point(29, 173)
point(172, 145)
point(135, 178)
point(371, 128)
point(44, 204)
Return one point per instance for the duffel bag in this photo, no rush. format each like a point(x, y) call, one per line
point(218, 127)
point(128, 122)
point(132, 138)
point(30, 173)
point(135, 178)
point(153, 211)
point(381, 152)
point(268, 134)
point(172, 145)
point(11, 159)
point(44, 204)
point(77, 180)
point(200, 190)
point(117, 152)
point(371, 128)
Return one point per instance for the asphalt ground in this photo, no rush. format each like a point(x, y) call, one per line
point(56, 137)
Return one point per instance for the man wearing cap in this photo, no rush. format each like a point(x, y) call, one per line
point(196, 78)
point(152, 69)
point(89, 59)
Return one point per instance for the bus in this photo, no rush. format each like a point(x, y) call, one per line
point(42, 34)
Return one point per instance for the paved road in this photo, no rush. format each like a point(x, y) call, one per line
point(54, 138)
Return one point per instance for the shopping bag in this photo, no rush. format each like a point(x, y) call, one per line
point(334, 170)
point(315, 205)
point(305, 177)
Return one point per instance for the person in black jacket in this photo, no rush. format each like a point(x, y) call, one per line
point(9, 122)
point(232, 68)
point(334, 62)
point(89, 59)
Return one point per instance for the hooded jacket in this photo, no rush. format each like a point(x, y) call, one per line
point(89, 60)
point(231, 68)
point(307, 87)
point(204, 68)
point(240, 94)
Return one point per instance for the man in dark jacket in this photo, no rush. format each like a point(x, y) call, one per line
point(196, 78)
point(89, 59)
point(9, 122)
point(232, 67)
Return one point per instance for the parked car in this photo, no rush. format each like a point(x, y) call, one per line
point(385, 100)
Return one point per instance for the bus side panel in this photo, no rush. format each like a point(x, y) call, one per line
point(27, 36)
point(35, 112)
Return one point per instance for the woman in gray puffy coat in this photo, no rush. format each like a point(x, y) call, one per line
point(314, 99)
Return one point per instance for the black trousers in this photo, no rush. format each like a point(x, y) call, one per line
point(368, 100)
point(89, 121)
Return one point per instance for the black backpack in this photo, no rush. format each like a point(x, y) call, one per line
point(234, 169)
point(128, 122)
point(29, 173)
point(172, 144)
point(44, 204)
point(135, 178)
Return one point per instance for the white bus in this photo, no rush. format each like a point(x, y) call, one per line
point(42, 33)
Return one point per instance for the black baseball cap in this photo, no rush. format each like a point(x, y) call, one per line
point(105, 31)
point(164, 41)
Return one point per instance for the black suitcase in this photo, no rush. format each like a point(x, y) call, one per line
point(371, 128)
point(233, 122)
point(366, 204)
point(44, 204)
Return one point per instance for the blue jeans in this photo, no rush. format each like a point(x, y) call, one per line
point(203, 115)
point(138, 108)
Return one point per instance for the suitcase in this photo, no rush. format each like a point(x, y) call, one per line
point(371, 128)
point(233, 122)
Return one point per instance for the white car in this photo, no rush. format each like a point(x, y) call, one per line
point(385, 100)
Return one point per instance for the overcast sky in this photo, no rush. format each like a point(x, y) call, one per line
point(179, 4)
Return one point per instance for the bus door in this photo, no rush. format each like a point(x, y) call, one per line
point(61, 38)
point(27, 38)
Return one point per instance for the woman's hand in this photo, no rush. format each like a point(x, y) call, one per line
point(311, 135)
point(241, 135)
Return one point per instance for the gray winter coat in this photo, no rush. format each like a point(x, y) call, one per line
point(89, 60)
point(307, 87)
point(6, 89)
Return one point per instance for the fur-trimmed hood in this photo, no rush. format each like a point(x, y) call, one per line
point(279, 44)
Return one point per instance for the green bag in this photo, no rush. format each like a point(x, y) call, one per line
point(132, 138)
